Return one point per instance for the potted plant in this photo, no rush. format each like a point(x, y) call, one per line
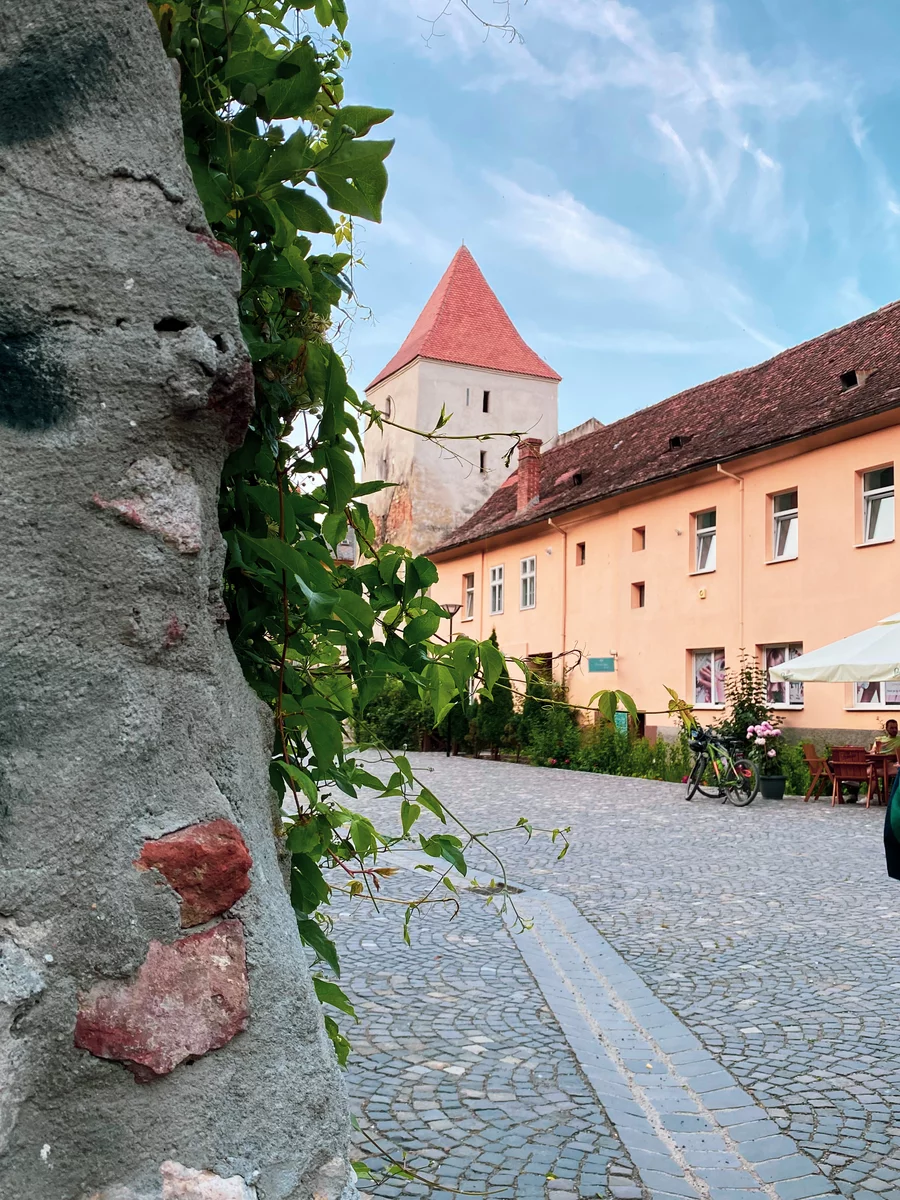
point(765, 747)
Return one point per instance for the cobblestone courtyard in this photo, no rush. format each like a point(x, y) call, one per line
point(705, 1007)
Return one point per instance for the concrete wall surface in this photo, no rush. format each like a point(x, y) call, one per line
point(159, 1036)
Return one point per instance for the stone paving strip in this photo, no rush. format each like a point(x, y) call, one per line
point(459, 1066)
point(689, 1128)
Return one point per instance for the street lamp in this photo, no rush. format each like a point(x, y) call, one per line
point(450, 611)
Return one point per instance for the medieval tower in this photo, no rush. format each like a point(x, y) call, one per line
point(463, 354)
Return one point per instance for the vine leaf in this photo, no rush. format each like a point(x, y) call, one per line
point(312, 935)
point(303, 211)
point(332, 993)
point(354, 178)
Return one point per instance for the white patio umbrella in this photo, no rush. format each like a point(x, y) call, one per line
point(868, 657)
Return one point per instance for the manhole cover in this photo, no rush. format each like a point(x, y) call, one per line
point(496, 889)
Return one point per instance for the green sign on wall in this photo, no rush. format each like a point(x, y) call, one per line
point(622, 722)
point(601, 664)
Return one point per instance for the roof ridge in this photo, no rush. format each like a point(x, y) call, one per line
point(752, 368)
point(785, 398)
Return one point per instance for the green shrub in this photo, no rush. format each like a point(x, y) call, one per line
point(605, 750)
point(394, 719)
point(554, 739)
point(495, 718)
point(679, 758)
point(796, 772)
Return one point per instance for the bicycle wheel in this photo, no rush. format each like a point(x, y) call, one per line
point(742, 790)
point(693, 780)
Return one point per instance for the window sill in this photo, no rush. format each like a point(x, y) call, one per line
point(770, 562)
point(865, 545)
point(464, 619)
point(527, 607)
point(707, 571)
point(787, 707)
point(871, 708)
point(496, 612)
point(709, 707)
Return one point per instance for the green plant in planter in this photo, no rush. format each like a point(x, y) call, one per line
point(747, 698)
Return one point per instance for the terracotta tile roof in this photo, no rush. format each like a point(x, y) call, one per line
point(464, 322)
point(797, 393)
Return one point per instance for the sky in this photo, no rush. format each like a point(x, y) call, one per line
point(659, 192)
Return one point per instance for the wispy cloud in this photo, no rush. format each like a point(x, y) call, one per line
point(408, 232)
point(657, 342)
point(575, 238)
point(714, 114)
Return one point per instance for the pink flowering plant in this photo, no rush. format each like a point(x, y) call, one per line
point(765, 746)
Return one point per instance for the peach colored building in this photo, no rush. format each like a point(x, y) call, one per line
point(755, 511)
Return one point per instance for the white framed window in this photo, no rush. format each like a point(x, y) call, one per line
point(785, 520)
point(708, 678)
point(469, 596)
point(527, 580)
point(878, 505)
point(877, 695)
point(780, 694)
point(705, 533)
point(496, 590)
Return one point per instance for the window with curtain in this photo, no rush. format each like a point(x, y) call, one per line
point(708, 676)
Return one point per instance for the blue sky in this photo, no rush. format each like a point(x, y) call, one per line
point(659, 191)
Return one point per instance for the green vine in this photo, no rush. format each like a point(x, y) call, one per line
point(283, 167)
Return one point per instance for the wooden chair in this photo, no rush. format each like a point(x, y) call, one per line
point(819, 770)
point(883, 769)
point(849, 764)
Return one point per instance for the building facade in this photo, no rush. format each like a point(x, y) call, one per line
point(754, 514)
point(463, 357)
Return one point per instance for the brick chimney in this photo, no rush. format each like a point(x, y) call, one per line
point(528, 483)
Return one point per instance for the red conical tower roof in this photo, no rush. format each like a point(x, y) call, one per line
point(464, 322)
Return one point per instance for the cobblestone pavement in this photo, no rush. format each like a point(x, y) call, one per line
point(459, 1064)
point(771, 932)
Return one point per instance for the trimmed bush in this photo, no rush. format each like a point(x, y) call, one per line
point(394, 719)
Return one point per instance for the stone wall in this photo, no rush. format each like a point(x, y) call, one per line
point(159, 1035)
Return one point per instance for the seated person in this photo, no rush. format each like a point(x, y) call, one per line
point(891, 729)
point(878, 747)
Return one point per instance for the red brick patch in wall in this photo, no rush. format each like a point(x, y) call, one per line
point(207, 865)
point(186, 999)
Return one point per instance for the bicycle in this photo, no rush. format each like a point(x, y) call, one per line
point(718, 773)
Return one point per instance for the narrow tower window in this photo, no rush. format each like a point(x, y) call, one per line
point(485, 401)
point(482, 461)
